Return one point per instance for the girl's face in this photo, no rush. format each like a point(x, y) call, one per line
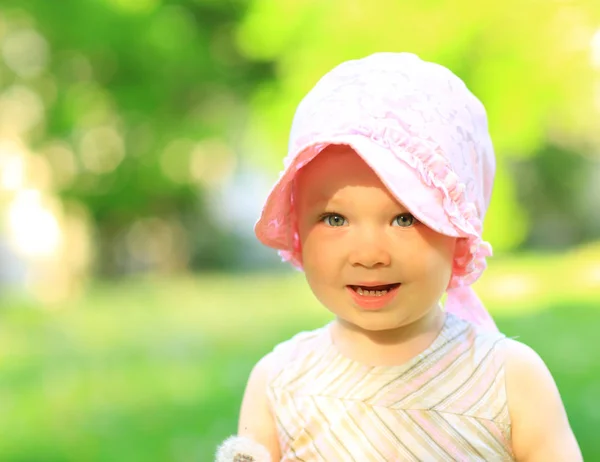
point(354, 232)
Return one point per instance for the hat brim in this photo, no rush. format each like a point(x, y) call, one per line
point(275, 226)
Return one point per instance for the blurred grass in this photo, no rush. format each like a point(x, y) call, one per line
point(154, 369)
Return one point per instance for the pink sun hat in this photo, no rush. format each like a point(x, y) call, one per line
point(425, 135)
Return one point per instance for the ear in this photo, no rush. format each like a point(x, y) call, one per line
point(462, 256)
point(462, 251)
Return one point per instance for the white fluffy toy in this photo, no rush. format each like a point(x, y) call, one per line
point(242, 449)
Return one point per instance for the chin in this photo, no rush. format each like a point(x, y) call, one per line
point(377, 321)
point(382, 320)
point(378, 325)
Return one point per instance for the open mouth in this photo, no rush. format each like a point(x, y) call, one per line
point(374, 291)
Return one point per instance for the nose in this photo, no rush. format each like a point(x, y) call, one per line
point(370, 250)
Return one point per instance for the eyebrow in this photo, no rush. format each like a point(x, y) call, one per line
point(322, 200)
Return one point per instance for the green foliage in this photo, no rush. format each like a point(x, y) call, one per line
point(130, 87)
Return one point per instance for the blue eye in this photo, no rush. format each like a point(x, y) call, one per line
point(404, 220)
point(333, 219)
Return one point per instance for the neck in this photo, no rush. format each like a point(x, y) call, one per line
point(388, 347)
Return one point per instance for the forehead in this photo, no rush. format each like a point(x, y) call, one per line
point(334, 174)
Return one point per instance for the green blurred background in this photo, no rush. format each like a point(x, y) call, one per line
point(137, 141)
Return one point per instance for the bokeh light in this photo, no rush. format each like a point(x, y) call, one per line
point(101, 149)
point(25, 52)
point(21, 109)
point(595, 52)
point(12, 164)
point(34, 227)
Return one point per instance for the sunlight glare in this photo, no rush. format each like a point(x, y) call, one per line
point(12, 166)
point(595, 52)
point(35, 229)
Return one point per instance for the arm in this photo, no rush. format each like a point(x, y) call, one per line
point(540, 428)
point(256, 420)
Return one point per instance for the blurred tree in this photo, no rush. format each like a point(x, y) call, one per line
point(564, 189)
point(130, 88)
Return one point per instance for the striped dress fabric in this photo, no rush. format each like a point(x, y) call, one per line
point(446, 404)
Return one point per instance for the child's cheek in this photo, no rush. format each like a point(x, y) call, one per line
point(323, 248)
point(428, 252)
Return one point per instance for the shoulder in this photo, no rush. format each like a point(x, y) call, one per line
point(541, 430)
point(295, 352)
point(299, 342)
point(256, 420)
point(283, 356)
point(527, 378)
point(524, 363)
point(526, 374)
point(485, 345)
point(285, 353)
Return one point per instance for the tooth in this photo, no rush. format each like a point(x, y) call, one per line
point(370, 293)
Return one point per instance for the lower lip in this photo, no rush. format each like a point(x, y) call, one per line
point(373, 302)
